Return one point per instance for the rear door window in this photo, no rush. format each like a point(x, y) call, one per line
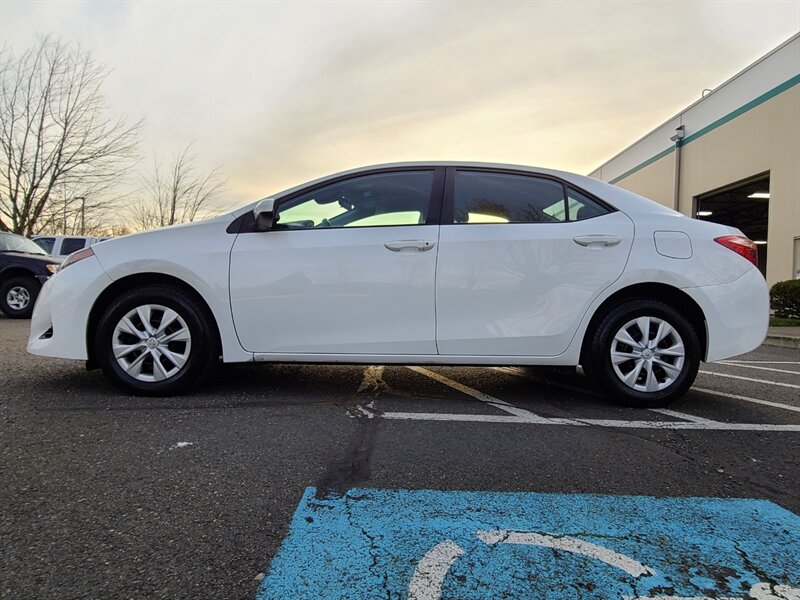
point(481, 197)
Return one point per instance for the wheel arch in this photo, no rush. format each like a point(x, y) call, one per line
point(127, 283)
point(650, 291)
point(15, 271)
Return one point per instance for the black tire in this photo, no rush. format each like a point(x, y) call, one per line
point(597, 358)
point(203, 354)
point(30, 285)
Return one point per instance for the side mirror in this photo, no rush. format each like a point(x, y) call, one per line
point(265, 214)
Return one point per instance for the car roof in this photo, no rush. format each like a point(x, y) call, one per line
point(620, 198)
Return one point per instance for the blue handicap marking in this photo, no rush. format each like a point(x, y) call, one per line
point(426, 545)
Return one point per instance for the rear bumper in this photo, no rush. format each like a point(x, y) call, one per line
point(737, 314)
point(58, 323)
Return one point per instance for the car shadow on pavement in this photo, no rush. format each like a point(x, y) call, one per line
point(239, 385)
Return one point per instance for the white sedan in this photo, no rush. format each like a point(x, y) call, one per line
point(417, 263)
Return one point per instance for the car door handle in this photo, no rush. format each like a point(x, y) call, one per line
point(418, 245)
point(597, 240)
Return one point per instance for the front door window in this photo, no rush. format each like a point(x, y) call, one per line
point(380, 200)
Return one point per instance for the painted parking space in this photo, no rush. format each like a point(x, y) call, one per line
point(579, 407)
point(425, 544)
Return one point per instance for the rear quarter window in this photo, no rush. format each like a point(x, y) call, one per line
point(70, 245)
point(580, 207)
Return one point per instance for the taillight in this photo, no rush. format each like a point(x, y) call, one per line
point(741, 245)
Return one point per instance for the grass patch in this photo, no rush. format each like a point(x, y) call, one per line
point(779, 322)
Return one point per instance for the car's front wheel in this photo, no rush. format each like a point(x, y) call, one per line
point(156, 341)
point(18, 295)
point(644, 353)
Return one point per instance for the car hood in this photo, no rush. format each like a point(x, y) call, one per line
point(163, 242)
point(50, 260)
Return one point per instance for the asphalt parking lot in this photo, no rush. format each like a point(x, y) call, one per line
point(109, 496)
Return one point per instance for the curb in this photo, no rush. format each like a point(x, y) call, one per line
point(783, 341)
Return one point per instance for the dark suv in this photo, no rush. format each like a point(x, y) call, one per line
point(24, 267)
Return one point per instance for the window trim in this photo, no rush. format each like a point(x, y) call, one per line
point(246, 222)
point(448, 203)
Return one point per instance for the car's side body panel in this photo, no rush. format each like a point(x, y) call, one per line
point(522, 288)
point(335, 291)
point(195, 253)
point(737, 315)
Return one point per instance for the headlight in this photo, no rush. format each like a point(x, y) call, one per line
point(52, 268)
point(76, 257)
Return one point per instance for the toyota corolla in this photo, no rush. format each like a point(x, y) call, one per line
point(417, 263)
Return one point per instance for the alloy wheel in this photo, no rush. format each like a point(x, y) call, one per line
point(18, 298)
point(151, 343)
point(647, 354)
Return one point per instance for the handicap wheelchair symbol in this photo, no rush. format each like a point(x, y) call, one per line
point(431, 544)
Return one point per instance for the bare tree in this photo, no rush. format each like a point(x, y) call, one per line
point(178, 194)
point(55, 136)
point(72, 210)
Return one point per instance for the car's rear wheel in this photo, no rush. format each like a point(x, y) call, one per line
point(18, 295)
point(644, 353)
point(156, 341)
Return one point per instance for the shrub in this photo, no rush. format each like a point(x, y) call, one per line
point(784, 297)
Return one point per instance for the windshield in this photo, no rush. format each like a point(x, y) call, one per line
point(11, 242)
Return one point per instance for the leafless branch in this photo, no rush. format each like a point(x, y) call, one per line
point(178, 194)
point(55, 136)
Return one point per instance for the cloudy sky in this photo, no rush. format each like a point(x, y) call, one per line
point(277, 93)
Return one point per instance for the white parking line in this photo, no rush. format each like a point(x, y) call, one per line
point(680, 415)
point(730, 364)
point(501, 404)
point(611, 423)
point(521, 416)
point(764, 362)
point(413, 416)
point(672, 413)
point(748, 399)
point(766, 381)
point(521, 373)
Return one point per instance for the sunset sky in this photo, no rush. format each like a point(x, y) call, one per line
point(278, 93)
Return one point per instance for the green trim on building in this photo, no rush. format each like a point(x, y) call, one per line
point(641, 166)
point(711, 127)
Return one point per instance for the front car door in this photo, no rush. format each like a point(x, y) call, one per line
point(521, 257)
point(348, 268)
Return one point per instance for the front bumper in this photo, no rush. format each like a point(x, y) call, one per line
point(61, 313)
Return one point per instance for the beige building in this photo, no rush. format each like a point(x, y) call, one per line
point(732, 157)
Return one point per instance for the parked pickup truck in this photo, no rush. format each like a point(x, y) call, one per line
point(63, 245)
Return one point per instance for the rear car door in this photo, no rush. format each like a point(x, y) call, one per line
point(348, 268)
point(521, 257)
